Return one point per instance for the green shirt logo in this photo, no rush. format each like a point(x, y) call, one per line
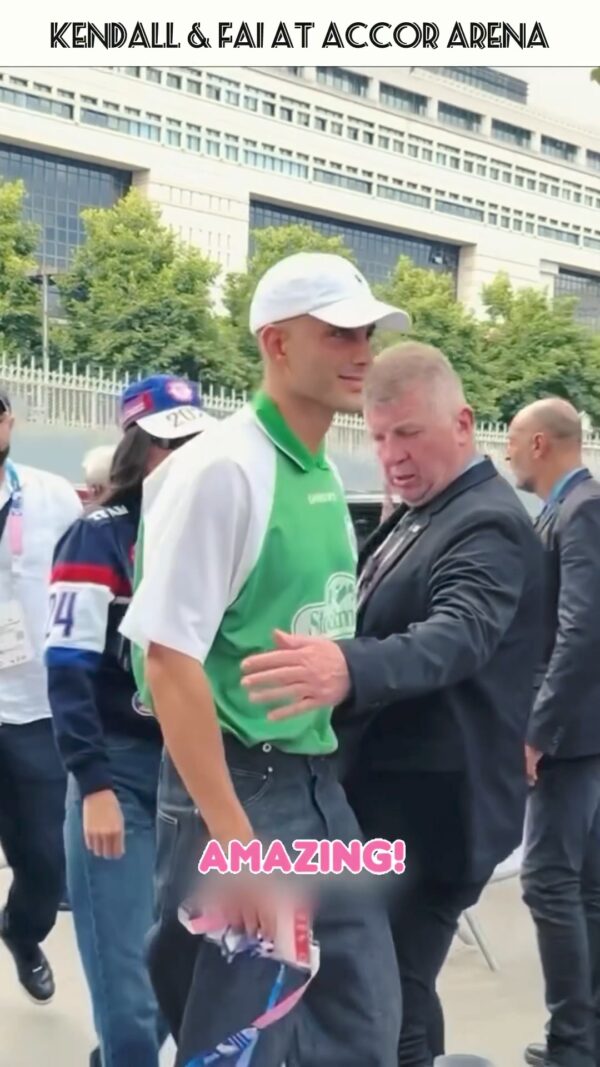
point(335, 617)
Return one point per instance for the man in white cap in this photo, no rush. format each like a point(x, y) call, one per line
point(249, 534)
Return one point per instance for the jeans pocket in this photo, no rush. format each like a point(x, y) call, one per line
point(250, 786)
point(167, 837)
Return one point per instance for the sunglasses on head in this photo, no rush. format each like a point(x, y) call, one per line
point(169, 444)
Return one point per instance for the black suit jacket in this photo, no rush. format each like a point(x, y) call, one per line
point(432, 737)
point(565, 722)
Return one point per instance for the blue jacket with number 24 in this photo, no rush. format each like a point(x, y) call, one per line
point(90, 682)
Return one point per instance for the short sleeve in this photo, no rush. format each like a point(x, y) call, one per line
point(195, 558)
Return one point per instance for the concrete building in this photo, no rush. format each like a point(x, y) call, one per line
point(448, 165)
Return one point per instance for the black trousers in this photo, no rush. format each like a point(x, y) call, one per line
point(561, 886)
point(32, 811)
point(425, 903)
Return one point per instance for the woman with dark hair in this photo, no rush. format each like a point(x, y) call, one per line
point(110, 750)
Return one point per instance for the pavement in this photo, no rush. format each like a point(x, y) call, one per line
point(487, 1013)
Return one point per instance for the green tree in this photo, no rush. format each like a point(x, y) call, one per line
point(538, 349)
point(437, 318)
point(20, 307)
point(135, 297)
point(270, 245)
point(595, 75)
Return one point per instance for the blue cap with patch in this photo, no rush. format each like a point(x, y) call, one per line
point(164, 406)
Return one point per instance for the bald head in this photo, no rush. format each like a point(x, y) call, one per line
point(553, 416)
point(544, 443)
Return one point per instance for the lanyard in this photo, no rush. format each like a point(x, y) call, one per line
point(239, 1047)
point(14, 522)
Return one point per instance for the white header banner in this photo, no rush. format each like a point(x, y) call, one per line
point(336, 33)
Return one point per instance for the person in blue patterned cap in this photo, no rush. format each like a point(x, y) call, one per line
point(110, 751)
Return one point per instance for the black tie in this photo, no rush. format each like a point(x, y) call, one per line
point(381, 554)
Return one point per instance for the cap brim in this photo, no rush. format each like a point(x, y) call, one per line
point(351, 314)
point(176, 422)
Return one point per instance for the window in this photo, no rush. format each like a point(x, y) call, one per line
point(558, 149)
point(193, 86)
point(17, 98)
point(451, 207)
point(153, 75)
point(555, 234)
point(392, 96)
point(58, 189)
point(376, 249)
point(515, 135)
point(404, 196)
point(231, 147)
point(213, 143)
point(121, 125)
point(458, 116)
point(173, 81)
point(345, 181)
point(593, 159)
point(488, 80)
point(343, 81)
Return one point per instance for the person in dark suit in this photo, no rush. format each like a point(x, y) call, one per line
point(435, 691)
point(561, 866)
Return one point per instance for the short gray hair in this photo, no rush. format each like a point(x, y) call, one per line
point(96, 465)
point(401, 366)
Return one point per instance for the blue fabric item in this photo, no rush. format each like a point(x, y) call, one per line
point(112, 903)
point(90, 682)
point(158, 393)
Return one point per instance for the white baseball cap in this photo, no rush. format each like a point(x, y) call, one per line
point(327, 287)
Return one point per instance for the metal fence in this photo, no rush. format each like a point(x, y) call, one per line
point(87, 398)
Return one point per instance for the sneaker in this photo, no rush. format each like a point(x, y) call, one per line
point(33, 969)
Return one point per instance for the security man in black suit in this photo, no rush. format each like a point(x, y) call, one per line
point(561, 867)
point(434, 693)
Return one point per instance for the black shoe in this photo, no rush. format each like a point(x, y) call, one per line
point(33, 969)
point(536, 1056)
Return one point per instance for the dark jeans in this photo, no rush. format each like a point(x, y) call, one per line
point(32, 810)
point(350, 1015)
point(423, 906)
point(561, 886)
point(113, 909)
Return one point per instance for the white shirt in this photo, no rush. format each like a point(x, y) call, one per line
point(50, 506)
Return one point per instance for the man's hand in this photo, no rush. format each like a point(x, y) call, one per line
point(103, 825)
point(532, 758)
point(307, 672)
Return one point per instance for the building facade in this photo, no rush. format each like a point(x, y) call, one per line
point(449, 166)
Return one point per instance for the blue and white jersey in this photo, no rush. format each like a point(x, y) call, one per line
point(90, 682)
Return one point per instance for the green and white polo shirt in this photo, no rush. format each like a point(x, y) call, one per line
point(244, 532)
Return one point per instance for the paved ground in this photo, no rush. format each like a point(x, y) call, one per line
point(490, 1014)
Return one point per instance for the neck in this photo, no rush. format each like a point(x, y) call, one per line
point(562, 466)
point(308, 420)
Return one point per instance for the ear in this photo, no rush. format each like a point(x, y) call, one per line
point(272, 343)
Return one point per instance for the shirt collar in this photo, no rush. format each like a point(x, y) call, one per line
point(277, 429)
point(562, 483)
